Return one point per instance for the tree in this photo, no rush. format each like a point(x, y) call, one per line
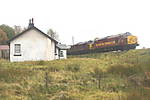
point(3, 37)
point(8, 30)
point(53, 34)
point(17, 29)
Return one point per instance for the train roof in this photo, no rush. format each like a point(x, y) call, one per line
point(118, 35)
point(111, 36)
point(86, 42)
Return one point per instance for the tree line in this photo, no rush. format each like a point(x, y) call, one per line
point(7, 32)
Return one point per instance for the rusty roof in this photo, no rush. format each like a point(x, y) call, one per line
point(4, 47)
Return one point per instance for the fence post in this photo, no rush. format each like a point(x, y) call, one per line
point(46, 79)
point(99, 81)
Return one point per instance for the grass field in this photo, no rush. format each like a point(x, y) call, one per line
point(100, 76)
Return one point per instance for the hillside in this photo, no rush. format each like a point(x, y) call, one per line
point(100, 76)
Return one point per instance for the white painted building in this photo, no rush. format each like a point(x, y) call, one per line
point(61, 51)
point(33, 45)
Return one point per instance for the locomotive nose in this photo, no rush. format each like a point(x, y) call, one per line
point(132, 40)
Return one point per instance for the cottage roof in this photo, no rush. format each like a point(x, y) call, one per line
point(30, 28)
point(63, 46)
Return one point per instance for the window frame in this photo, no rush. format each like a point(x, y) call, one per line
point(17, 49)
point(61, 53)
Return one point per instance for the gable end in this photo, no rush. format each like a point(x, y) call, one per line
point(28, 30)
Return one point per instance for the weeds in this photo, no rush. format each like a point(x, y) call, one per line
point(125, 70)
point(73, 67)
point(99, 76)
point(40, 62)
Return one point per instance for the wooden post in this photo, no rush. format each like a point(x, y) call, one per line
point(99, 81)
point(46, 79)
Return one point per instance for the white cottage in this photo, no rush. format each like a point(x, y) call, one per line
point(32, 45)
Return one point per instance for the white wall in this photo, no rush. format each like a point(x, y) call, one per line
point(64, 54)
point(57, 54)
point(52, 50)
point(34, 46)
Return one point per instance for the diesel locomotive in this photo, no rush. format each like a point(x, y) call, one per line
point(125, 41)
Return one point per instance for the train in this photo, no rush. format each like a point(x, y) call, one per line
point(119, 42)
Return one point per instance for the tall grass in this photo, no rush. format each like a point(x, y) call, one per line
point(99, 76)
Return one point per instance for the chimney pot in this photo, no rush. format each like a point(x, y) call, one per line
point(29, 21)
point(32, 21)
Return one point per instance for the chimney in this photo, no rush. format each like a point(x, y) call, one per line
point(31, 23)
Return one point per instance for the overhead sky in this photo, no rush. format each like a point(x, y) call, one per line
point(82, 19)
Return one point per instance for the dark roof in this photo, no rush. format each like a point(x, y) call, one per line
point(28, 30)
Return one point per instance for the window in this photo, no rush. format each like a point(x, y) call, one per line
point(17, 49)
point(61, 54)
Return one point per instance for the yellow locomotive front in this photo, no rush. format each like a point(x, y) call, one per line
point(132, 40)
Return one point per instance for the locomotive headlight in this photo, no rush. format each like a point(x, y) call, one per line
point(132, 40)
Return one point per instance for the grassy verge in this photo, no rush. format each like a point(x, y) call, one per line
point(99, 76)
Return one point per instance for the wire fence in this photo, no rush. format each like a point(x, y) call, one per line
point(136, 90)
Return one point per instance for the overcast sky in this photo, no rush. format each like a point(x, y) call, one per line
point(83, 19)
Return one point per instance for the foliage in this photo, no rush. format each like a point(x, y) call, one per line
point(53, 34)
point(8, 30)
point(3, 36)
point(17, 29)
